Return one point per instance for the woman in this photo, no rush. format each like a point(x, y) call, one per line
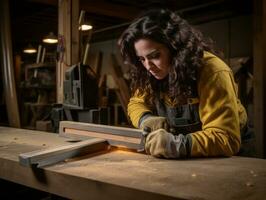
point(184, 94)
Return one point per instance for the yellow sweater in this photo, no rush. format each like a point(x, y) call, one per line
point(220, 111)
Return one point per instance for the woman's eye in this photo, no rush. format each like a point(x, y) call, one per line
point(154, 56)
point(141, 60)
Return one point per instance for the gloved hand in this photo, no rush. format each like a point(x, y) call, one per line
point(161, 143)
point(154, 123)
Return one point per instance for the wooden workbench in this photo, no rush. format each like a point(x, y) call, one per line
point(127, 175)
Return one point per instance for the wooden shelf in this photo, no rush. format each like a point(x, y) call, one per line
point(40, 65)
point(38, 87)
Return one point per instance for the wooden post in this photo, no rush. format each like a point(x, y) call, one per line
point(7, 66)
point(17, 69)
point(68, 14)
point(75, 58)
point(259, 51)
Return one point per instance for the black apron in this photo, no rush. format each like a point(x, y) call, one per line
point(182, 119)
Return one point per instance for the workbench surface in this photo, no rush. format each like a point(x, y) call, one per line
point(119, 174)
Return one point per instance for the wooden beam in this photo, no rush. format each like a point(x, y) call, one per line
point(75, 56)
point(64, 22)
point(101, 7)
point(259, 54)
point(116, 136)
point(56, 154)
point(68, 15)
point(7, 66)
point(47, 2)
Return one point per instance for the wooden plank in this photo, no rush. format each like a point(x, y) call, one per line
point(102, 135)
point(56, 154)
point(94, 60)
point(71, 186)
point(130, 132)
point(127, 175)
point(116, 136)
point(122, 91)
point(102, 92)
point(98, 64)
point(259, 54)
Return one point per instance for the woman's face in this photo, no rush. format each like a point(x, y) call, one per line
point(154, 56)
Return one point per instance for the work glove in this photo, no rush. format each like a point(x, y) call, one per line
point(154, 123)
point(161, 143)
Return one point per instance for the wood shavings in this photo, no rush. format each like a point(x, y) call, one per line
point(253, 173)
point(249, 184)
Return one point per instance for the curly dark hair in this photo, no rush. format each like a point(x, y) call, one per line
point(186, 46)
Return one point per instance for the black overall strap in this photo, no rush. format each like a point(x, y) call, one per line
point(182, 119)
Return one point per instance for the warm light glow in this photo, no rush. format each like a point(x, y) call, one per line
point(29, 50)
point(50, 40)
point(86, 27)
point(123, 149)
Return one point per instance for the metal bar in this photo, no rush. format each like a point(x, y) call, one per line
point(38, 54)
point(43, 55)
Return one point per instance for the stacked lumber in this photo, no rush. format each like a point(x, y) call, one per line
point(122, 90)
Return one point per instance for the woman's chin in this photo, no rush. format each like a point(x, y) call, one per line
point(158, 77)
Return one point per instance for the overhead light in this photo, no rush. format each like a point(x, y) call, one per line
point(51, 38)
point(86, 27)
point(29, 49)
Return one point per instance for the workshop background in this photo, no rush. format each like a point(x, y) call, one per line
point(43, 81)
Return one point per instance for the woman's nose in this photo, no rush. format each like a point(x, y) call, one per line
point(148, 64)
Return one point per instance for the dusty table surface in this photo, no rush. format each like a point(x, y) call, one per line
point(119, 174)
